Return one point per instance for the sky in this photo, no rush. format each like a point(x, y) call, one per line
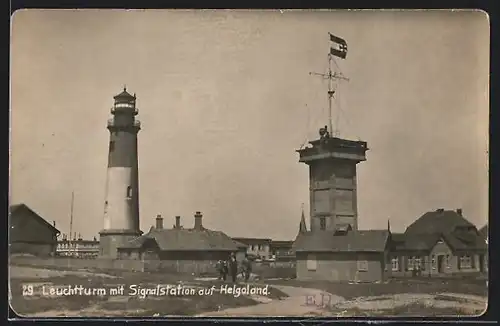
point(225, 98)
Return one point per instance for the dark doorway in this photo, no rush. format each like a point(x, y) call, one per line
point(481, 263)
point(440, 263)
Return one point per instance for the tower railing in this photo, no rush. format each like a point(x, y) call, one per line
point(135, 124)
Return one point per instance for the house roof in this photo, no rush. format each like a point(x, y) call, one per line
point(484, 231)
point(353, 241)
point(251, 240)
point(421, 242)
point(187, 240)
point(456, 240)
point(449, 225)
point(19, 207)
point(438, 221)
point(281, 243)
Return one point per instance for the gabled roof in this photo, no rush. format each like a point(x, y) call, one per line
point(438, 221)
point(19, 207)
point(187, 240)
point(282, 244)
point(421, 242)
point(448, 225)
point(353, 241)
point(426, 242)
point(484, 231)
point(244, 240)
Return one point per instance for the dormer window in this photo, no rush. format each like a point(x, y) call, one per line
point(343, 229)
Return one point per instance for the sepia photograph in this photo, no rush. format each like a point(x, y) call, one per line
point(248, 163)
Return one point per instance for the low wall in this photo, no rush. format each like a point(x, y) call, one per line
point(196, 267)
point(78, 263)
point(175, 266)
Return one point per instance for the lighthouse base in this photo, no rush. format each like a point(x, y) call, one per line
point(111, 240)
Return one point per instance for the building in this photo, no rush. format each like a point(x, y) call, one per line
point(30, 233)
point(258, 248)
point(332, 181)
point(78, 248)
point(334, 249)
point(484, 233)
point(121, 207)
point(352, 256)
point(282, 251)
point(440, 242)
point(193, 250)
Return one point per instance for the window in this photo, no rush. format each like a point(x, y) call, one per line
point(466, 262)
point(311, 262)
point(395, 264)
point(129, 192)
point(440, 241)
point(418, 263)
point(447, 261)
point(410, 263)
point(111, 146)
point(322, 223)
point(362, 265)
point(433, 262)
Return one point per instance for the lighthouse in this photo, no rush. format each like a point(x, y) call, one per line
point(121, 206)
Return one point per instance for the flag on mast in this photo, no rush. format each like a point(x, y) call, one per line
point(339, 46)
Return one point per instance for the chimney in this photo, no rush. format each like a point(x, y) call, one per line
point(177, 222)
point(197, 221)
point(54, 223)
point(459, 211)
point(159, 222)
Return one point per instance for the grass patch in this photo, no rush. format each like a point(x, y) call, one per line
point(179, 305)
point(130, 306)
point(276, 294)
point(419, 310)
point(394, 286)
point(409, 310)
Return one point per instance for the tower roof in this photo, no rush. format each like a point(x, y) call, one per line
point(302, 225)
point(124, 95)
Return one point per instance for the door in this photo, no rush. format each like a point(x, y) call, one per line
point(440, 263)
point(481, 263)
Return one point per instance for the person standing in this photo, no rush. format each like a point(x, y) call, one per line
point(247, 268)
point(224, 270)
point(233, 267)
point(220, 269)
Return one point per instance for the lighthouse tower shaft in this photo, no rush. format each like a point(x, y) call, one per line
point(333, 182)
point(121, 207)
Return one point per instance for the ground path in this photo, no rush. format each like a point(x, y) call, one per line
point(300, 302)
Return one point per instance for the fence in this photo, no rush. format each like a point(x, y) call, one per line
point(208, 267)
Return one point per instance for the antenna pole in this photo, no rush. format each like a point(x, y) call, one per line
point(331, 76)
point(71, 219)
point(330, 96)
